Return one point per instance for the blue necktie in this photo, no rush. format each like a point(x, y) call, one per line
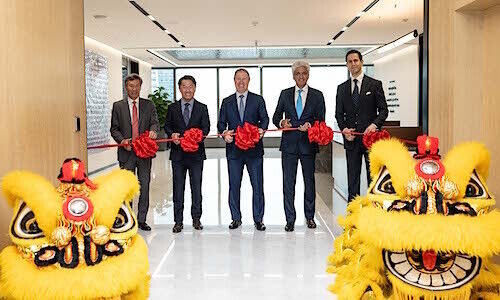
point(186, 113)
point(355, 94)
point(299, 104)
point(242, 108)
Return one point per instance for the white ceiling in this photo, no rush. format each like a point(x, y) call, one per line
point(224, 23)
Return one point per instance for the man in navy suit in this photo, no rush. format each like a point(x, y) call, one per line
point(244, 106)
point(360, 107)
point(182, 115)
point(301, 105)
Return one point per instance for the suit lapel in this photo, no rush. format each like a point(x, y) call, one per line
point(142, 112)
point(235, 107)
point(292, 103)
point(126, 110)
point(308, 99)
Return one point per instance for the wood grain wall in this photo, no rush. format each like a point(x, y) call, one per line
point(464, 62)
point(42, 88)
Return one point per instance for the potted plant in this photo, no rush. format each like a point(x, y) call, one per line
point(161, 101)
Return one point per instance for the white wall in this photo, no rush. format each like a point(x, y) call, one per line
point(401, 67)
point(102, 158)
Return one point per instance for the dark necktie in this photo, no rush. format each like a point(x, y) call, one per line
point(241, 109)
point(186, 113)
point(355, 94)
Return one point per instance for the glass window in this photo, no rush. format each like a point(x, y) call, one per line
point(164, 78)
point(206, 90)
point(326, 79)
point(274, 80)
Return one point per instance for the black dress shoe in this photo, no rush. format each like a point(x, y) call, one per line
point(234, 224)
point(197, 224)
point(177, 228)
point(144, 226)
point(260, 226)
point(311, 224)
point(289, 227)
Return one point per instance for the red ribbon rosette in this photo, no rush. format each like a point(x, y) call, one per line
point(144, 146)
point(320, 133)
point(192, 138)
point(370, 138)
point(247, 136)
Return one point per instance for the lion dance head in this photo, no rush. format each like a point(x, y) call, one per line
point(76, 241)
point(426, 229)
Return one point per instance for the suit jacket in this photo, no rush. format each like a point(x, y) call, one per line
point(297, 142)
point(229, 118)
point(121, 123)
point(175, 124)
point(372, 108)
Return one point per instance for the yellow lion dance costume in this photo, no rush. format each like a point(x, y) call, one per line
point(426, 229)
point(77, 241)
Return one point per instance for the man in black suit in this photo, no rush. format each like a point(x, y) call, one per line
point(244, 106)
point(129, 119)
point(301, 105)
point(182, 115)
point(360, 107)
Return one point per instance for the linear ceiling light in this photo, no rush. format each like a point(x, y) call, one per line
point(398, 42)
point(144, 12)
point(352, 21)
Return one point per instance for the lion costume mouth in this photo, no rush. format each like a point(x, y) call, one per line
point(430, 270)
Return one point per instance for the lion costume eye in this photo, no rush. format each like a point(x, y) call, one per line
point(124, 220)
point(384, 186)
point(25, 225)
point(475, 188)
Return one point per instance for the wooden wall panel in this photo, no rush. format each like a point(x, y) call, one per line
point(42, 88)
point(464, 38)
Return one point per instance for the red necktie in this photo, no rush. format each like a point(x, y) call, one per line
point(135, 122)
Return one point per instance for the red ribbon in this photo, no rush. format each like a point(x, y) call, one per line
point(247, 136)
point(370, 138)
point(192, 138)
point(144, 146)
point(320, 133)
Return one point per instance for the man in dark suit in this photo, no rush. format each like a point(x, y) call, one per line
point(130, 118)
point(244, 106)
point(182, 115)
point(360, 107)
point(301, 105)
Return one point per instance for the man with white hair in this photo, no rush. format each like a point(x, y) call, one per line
point(301, 106)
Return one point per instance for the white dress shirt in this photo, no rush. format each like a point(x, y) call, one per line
point(245, 95)
point(131, 107)
point(360, 80)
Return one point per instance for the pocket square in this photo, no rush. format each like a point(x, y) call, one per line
point(368, 93)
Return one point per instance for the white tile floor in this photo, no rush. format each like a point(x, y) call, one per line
point(218, 263)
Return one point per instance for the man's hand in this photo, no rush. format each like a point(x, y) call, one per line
point(347, 132)
point(371, 128)
point(304, 127)
point(261, 133)
point(285, 123)
point(176, 137)
point(152, 135)
point(227, 135)
point(127, 142)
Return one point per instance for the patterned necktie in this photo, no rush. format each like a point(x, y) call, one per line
point(241, 109)
point(299, 104)
point(355, 93)
point(186, 113)
point(135, 121)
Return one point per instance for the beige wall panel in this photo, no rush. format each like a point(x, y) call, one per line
point(41, 88)
point(467, 76)
point(440, 68)
point(491, 95)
